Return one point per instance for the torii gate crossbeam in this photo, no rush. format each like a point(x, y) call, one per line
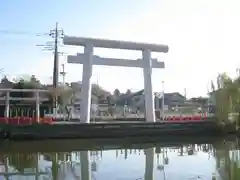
point(147, 64)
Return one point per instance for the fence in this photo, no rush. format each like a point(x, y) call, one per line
point(30, 110)
point(25, 110)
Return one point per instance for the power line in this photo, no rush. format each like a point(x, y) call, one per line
point(12, 32)
point(56, 34)
point(52, 46)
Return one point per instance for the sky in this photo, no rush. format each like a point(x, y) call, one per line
point(202, 35)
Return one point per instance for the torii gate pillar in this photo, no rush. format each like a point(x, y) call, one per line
point(86, 89)
point(146, 63)
point(148, 90)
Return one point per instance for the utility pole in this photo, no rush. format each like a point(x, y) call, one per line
point(56, 34)
point(52, 46)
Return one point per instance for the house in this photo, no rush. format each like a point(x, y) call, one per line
point(174, 99)
point(170, 100)
point(198, 102)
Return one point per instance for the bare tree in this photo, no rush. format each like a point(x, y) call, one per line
point(65, 96)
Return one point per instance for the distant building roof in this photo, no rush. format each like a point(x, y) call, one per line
point(155, 93)
point(76, 85)
point(173, 94)
point(169, 95)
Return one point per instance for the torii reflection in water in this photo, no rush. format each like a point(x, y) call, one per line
point(86, 171)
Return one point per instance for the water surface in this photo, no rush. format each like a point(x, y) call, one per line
point(219, 160)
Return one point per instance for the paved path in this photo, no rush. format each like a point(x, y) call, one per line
point(130, 122)
point(99, 122)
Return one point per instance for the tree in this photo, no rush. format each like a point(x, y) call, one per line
point(129, 92)
point(110, 100)
point(35, 81)
point(24, 84)
point(221, 96)
point(5, 83)
point(5, 80)
point(116, 93)
point(99, 91)
point(66, 101)
point(227, 96)
point(64, 96)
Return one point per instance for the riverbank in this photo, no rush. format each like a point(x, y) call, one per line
point(74, 130)
point(109, 143)
point(137, 118)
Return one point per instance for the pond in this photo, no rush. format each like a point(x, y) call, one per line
point(218, 160)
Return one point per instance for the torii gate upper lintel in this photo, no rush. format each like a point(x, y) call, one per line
point(88, 59)
point(114, 44)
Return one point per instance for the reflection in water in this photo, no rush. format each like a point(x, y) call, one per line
point(188, 161)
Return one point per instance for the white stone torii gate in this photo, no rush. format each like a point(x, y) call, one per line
point(88, 60)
